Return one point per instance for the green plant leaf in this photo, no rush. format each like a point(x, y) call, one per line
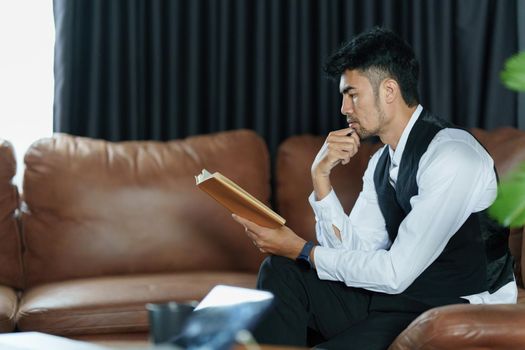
point(513, 75)
point(509, 207)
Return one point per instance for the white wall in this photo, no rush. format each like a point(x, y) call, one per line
point(27, 37)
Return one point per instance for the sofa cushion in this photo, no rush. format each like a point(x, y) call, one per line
point(294, 182)
point(10, 243)
point(113, 304)
point(96, 208)
point(8, 305)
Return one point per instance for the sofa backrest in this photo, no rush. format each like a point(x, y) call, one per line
point(10, 242)
point(294, 184)
point(95, 208)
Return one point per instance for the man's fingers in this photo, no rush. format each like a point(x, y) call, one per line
point(341, 132)
point(342, 145)
point(246, 223)
point(356, 138)
point(248, 226)
point(251, 230)
point(353, 139)
point(262, 250)
point(343, 149)
point(252, 236)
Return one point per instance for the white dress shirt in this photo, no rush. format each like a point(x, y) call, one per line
point(455, 179)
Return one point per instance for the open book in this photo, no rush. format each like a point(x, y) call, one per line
point(237, 200)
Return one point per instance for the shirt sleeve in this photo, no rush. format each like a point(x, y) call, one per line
point(452, 180)
point(364, 229)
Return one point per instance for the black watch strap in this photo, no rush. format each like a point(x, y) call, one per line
point(304, 257)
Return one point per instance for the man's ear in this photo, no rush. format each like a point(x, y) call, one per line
point(390, 89)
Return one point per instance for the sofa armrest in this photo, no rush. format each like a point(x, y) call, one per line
point(466, 327)
point(8, 307)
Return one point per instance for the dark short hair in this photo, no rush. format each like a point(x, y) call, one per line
point(378, 54)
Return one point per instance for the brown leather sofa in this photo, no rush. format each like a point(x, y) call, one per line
point(103, 228)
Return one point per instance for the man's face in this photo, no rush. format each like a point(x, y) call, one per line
point(360, 105)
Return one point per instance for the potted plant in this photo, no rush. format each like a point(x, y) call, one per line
point(509, 207)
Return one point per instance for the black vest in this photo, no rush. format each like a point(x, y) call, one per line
point(475, 259)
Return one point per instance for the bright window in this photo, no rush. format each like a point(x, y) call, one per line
point(27, 37)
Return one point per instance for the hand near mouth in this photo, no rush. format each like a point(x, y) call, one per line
point(339, 147)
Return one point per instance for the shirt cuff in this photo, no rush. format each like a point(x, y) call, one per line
point(328, 209)
point(325, 260)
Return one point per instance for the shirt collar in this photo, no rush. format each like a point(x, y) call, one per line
point(395, 156)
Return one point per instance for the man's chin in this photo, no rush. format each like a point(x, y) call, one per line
point(364, 133)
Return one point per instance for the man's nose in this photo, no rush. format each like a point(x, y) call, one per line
point(346, 106)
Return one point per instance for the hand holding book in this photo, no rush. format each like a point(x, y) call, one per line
point(280, 241)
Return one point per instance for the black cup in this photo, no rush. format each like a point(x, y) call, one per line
point(166, 320)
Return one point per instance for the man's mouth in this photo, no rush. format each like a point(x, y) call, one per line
point(351, 123)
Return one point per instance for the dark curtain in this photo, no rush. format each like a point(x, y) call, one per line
point(160, 69)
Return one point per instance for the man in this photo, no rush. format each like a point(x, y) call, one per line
point(418, 236)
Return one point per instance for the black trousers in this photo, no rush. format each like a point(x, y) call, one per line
point(344, 317)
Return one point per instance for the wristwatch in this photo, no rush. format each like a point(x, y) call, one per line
point(303, 259)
